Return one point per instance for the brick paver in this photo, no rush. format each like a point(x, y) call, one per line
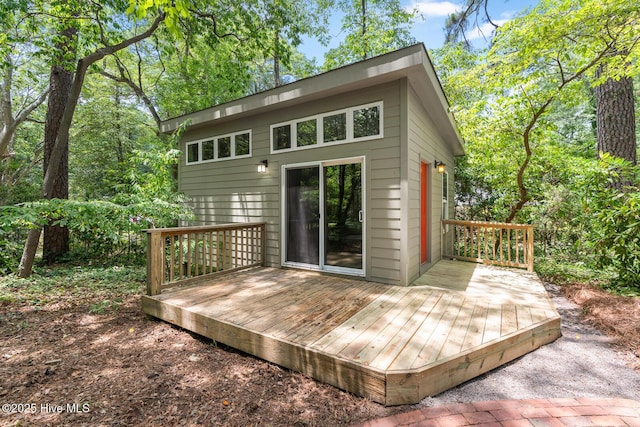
point(521, 413)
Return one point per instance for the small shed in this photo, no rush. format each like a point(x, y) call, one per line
point(351, 170)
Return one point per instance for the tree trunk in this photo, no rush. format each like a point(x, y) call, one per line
point(56, 239)
point(363, 29)
point(276, 60)
point(62, 140)
point(615, 118)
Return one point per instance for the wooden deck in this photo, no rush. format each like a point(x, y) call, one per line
point(394, 345)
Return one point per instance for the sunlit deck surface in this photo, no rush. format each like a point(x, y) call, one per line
point(394, 345)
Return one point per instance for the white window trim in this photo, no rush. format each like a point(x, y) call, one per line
point(186, 149)
point(283, 216)
point(215, 148)
point(320, 129)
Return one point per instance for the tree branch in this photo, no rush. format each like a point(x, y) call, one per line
point(137, 90)
point(526, 135)
point(62, 140)
point(486, 14)
point(24, 113)
point(5, 97)
point(215, 25)
point(10, 123)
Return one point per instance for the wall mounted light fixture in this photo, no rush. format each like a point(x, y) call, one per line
point(262, 166)
point(440, 166)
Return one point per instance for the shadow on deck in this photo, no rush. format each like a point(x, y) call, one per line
point(394, 345)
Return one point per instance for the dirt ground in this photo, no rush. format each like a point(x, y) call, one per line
point(123, 368)
point(617, 316)
point(63, 365)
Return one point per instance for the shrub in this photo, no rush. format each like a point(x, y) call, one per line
point(101, 228)
point(612, 211)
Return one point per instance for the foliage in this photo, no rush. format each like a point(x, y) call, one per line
point(23, 88)
point(226, 51)
point(200, 77)
point(101, 151)
point(561, 269)
point(101, 228)
point(371, 27)
point(75, 283)
point(297, 67)
point(526, 108)
point(21, 173)
point(614, 231)
point(201, 53)
point(508, 99)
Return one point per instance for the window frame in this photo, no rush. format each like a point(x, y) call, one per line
point(365, 107)
point(319, 118)
point(347, 115)
point(187, 151)
point(234, 145)
point(215, 139)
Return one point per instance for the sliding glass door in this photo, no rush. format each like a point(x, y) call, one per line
point(343, 215)
point(302, 190)
point(324, 216)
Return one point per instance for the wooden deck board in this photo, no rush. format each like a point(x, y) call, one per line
point(401, 322)
point(295, 319)
point(368, 335)
point(425, 332)
point(459, 329)
point(392, 344)
point(442, 331)
point(269, 309)
point(343, 335)
point(509, 319)
point(397, 343)
point(494, 324)
point(475, 332)
point(321, 320)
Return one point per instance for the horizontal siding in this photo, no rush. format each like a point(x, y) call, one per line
point(385, 214)
point(425, 143)
point(232, 191)
point(381, 253)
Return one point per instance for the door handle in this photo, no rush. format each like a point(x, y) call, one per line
point(360, 216)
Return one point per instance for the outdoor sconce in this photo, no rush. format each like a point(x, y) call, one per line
point(262, 166)
point(440, 166)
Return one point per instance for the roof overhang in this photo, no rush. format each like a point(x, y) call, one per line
point(412, 62)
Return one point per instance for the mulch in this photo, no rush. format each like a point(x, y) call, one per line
point(123, 368)
point(617, 316)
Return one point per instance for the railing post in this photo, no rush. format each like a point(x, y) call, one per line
point(155, 262)
point(530, 248)
point(263, 245)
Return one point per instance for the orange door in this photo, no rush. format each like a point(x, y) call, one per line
point(424, 255)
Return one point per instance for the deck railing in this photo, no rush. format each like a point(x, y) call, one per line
point(494, 243)
point(180, 255)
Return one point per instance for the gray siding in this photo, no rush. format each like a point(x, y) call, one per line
point(232, 191)
point(425, 144)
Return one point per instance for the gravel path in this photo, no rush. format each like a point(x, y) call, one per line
point(581, 363)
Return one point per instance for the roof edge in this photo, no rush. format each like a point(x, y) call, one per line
point(411, 62)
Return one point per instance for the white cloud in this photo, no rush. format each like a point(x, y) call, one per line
point(485, 31)
point(429, 8)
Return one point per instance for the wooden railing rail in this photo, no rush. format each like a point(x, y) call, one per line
point(177, 256)
point(496, 243)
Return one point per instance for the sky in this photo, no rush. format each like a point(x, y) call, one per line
point(429, 28)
